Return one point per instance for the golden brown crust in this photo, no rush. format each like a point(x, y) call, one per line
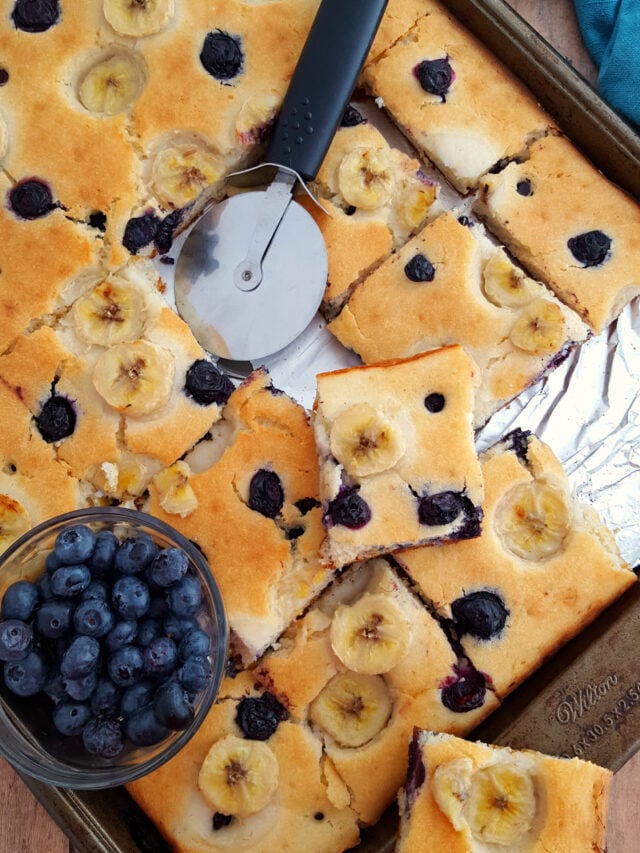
point(560, 207)
point(571, 799)
point(484, 116)
point(389, 315)
point(438, 450)
point(549, 600)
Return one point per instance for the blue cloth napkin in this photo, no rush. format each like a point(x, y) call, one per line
point(611, 33)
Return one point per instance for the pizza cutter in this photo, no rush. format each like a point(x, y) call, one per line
point(253, 269)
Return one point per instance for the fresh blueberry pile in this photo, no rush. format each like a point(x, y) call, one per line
point(110, 632)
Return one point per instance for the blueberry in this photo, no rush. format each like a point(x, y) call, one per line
point(52, 562)
point(168, 567)
point(419, 268)
point(123, 633)
point(172, 707)
point(137, 696)
point(480, 614)
point(219, 821)
point(98, 220)
point(185, 597)
point(194, 673)
point(348, 509)
point(28, 676)
point(266, 494)
point(54, 688)
point(97, 589)
point(143, 729)
point(74, 544)
point(101, 562)
point(157, 606)
point(207, 384)
point(435, 76)
point(70, 581)
point(70, 717)
point(140, 231)
point(524, 187)
point(148, 630)
point(106, 698)
point(466, 691)
point(416, 771)
point(31, 198)
point(93, 617)
point(44, 588)
point(81, 657)
point(54, 619)
point(163, 239)
point(35, 16)
point(221, 55)
point(135, 553)
point(258, 717)
point(518, 441)
point(178, 627)
point(16, 640)
point(434, 402)
point(57, 419)
point(125, 666)
point(196, 642)
point(160, 656)
point(590, 248)
point(351, 117)
point(305, 505)
point(130, 597)
point(81, 688)
point(441, 508)
point(19, 601)
point(103, 737)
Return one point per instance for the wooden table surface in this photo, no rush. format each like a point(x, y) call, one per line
point(24, 824)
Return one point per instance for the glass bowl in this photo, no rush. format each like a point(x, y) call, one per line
point(28, 738)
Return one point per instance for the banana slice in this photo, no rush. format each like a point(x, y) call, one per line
point(533, 520)
point(365, 178)
point(256, 116)
point(540, 328)
point(501, 803)
point(175, 493)
point(138, 17)
point(135, 377)
point(181, 172)
point(365, 440)
point(415, 199)
point(450, 785)
point(112, 85)
point(14, 521)
point(126, 477)
point(113, 311)
point(372, 635)
point(238, 777)
point(505, 285)
point(352, 708)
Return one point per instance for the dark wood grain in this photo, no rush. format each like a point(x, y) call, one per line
point(25, 826)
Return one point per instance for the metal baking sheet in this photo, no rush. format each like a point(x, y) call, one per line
point(586, 700)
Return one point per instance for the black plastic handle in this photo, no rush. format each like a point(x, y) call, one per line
point(325, 76)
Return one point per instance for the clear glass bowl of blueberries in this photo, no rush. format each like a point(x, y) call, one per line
point(113, 644)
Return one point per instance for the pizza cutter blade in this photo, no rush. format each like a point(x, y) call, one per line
point(253, 269)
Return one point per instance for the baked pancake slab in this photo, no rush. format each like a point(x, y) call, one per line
point(467, 797)
point(451, 284)
point(542, 569)
point(397, 458)
point(568, 226)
